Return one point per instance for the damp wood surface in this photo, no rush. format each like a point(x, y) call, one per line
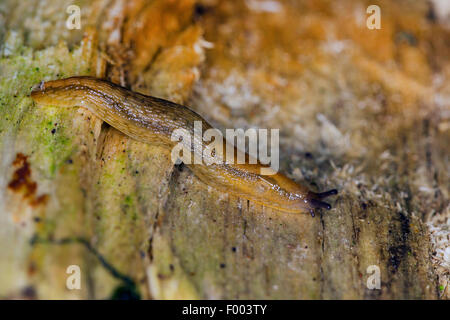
point(364, 111)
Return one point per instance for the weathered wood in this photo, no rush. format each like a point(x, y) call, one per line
point(364, 111)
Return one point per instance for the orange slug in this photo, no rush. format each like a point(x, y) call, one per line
point(152, 120)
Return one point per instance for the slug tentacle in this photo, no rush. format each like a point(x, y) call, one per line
point(315, 200)
point(325, 194)
point(153, 120)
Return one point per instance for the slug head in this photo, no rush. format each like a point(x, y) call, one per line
point(315, 200)
point(62, 93)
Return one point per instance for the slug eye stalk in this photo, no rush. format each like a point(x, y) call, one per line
point(314, 200)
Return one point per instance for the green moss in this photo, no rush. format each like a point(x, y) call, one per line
point(53, 144)
point(129, 208)
point(21, 69)
point(128, 201)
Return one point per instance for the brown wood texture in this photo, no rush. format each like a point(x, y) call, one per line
point(364, 111)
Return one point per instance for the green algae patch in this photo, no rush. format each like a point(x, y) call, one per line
point(54, 144)
point(49, 137)
point(129, 207)
point(45, 131)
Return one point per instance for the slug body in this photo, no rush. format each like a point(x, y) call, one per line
point(152, 120)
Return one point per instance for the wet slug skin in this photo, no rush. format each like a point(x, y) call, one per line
point(152, 120)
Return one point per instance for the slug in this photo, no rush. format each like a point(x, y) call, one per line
point(152, 120)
